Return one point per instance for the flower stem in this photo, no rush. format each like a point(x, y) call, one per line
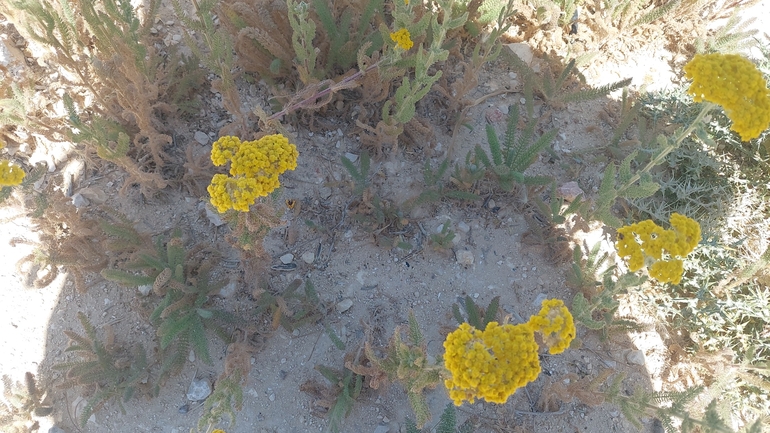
point(658, 159)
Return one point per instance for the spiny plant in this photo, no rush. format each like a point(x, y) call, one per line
point(475, 315)
point(406, 362)
point(108, 370)
point(21, 403)
point(507, 163)
point(435, 189)
point(551, 88)
point(292, 309)
point(443, 239)
point(672, 408)
point(218, 57)
point(336, 400)
point(182, 282)
point(586, 275)
point(598, 311)
point(122, 89)
point(447, 423)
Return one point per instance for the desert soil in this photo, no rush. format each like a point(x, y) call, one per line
point(489, 257)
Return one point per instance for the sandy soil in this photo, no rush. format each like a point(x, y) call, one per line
point(383, 284)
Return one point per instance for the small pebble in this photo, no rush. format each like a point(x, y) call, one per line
point(201, 137)
point(308, 257)
point(287, 258)
point(465, 257)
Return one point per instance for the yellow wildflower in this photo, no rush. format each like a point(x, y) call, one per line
point(10, 174)
point(735, 83)
point(218, 431)
point(663, 249)
point(555, 322)
point(402, 38)
point(254, 169)
point(492, 364)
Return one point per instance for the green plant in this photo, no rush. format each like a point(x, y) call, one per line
point(118, 68)
point(443, 239)
point(182, 282)
point(447, 423)
point(508, 162)
point(435, 190)
point(21, 403)
point(406, 362)
point(582, 275)
point(111, 371)
point(551, 89)
point(338, 398)
point(475, 315)
point(597, 312)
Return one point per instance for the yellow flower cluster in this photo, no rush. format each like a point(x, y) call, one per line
point(402, 38)
point(254, 169)
point(10, 174)
point(735, 83)
point(647, 241)
point(555, 322)
point(492, 364)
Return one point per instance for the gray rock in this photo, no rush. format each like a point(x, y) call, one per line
point(287, 258)
point(465, 257)
point(635, 357)
point(352, 157)
point(79, 201)
point(524, 51)
point(199, 389)
point(145, 290)
point(381, 429)
point(308, 257)
point(344, 305)
point(214, 216)
point(56, 429)
point(201, 137)
point(229, 290)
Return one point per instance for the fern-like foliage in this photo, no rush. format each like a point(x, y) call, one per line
point(111, 372)
point(436, 190)
point(20, 403)
point(672, 408)
point(507, 162)
point(475, 315)
point(587, 275)
point(181, 281)
point(406, 362)
point(447, 423)
point(551, 88)
point(598, 311)
point(336, 399)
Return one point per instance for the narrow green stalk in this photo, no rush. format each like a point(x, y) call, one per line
point(660, 157)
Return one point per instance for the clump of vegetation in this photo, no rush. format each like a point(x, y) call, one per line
point(21, 404)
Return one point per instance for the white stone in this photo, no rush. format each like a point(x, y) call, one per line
point(352, 157)
point(199, 389)
point(79, 201)
point(344, 305)
point(465, 257)
point(201, 137)
point(287, 258)
point(214, 217)
point(524, 51)
point(308, 257)
point(229, 290)
point(463, 227)
point(635, 357)
point(145, 290)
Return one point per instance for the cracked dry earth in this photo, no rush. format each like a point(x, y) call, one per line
point(368, 289)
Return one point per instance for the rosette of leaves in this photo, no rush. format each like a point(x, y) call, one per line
point(109, 370)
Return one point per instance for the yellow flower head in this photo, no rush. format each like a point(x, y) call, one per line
point(555, 322)
point(402, 38)
point(218, 431)
point(646, 241)
point(490, 364)
point(735, 83)
point(10, 174)
point(254, 169)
